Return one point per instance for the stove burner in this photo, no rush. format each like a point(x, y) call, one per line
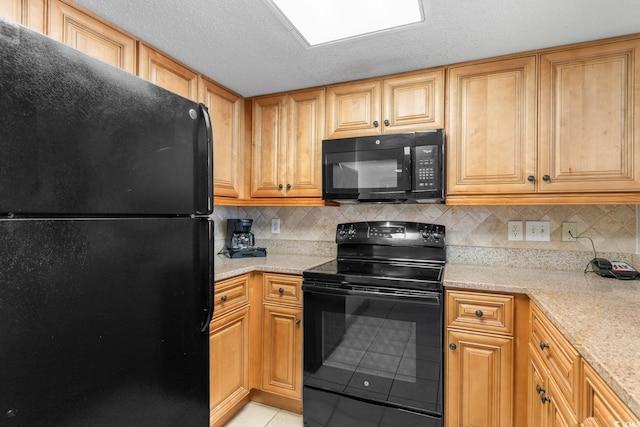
point(405, 255)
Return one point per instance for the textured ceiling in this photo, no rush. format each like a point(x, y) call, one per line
point(243, 45)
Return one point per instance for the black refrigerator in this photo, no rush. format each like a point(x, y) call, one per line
point(105, 243)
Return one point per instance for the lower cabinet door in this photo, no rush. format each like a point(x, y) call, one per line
point(601, 406)
point(228, 362)
point(559, 412)
point(537, 391)
point(282, 351)
point(479, 372)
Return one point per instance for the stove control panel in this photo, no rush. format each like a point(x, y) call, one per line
point(391, 233)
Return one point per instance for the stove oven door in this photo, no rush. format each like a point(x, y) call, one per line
point(372, 355)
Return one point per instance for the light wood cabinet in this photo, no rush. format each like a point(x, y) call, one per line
point(479, 379)
point(269, 137)
point(601, 407)
point(560, 359)
point(547, 405)
point(563, 390)
point(229, 363)
point(479, 359)
point(537, 380)
point(353, 109)
point(403, 103)
point(491, 127)
point(165, 72)
point(558, 411)
point(287, 132)
point(258, 320)
point(282, 355)
point(230, 294)
point(12, 9)
point(91, 36)
point(589, 119)
point(30, 13)
point(225, 109)
point(580, 147)
point(229, 334)
point(282, 335)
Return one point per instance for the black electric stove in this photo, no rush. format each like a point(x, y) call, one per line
point(373, 328)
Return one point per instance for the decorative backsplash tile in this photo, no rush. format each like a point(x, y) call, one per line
point(612, 227)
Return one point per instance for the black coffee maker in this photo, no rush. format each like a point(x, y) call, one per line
point(240, 240)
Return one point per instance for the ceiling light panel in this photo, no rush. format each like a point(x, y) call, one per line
point(325, 21)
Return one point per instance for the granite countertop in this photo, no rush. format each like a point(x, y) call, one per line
point(275, 263)
point(597, 315)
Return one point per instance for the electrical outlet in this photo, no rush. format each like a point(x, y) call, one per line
point(569, 231)
point(538, 231)
point(275, 225)
point(514, 230)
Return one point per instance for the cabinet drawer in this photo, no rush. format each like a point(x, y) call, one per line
point(480, 312)
point(229, 294)
point(601, 406)
point(560, 358)
point(281, 288)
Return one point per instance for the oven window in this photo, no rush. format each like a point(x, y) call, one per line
point(381, 350)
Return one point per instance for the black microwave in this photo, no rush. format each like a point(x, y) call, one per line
point(398, 168)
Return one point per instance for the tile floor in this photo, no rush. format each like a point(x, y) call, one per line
point(258, 415)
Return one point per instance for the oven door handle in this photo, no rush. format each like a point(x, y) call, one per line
point(347, 289)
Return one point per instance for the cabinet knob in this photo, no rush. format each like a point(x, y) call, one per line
point(386, 122)
point(546, 178)
point(297, 321)
point(281, 290)
point(540, 389)
point(479, 313)
point(544, 398)
point(531, 178)
point(223, 298)
point(375, 123)
point(280, 186)
point(288, 186)
point(452, 346)
point(543, 345)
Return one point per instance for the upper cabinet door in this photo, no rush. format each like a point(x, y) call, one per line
point(269, 135)
point(405, 103)
point(225, 110)
point(30, 13)
point(167, 73)
point(590, 117)
point(353, 109)
point(491, 127)
point(413, 102)
point(11, 9)
point(304, 143)
point(78, 30)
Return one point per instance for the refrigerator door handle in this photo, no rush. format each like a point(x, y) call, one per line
point(209, 151)
point(209, 278)
point(209, 309)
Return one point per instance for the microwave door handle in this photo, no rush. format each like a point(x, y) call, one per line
point(407, 168)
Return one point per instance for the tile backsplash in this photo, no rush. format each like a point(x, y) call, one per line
point(470, 229)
